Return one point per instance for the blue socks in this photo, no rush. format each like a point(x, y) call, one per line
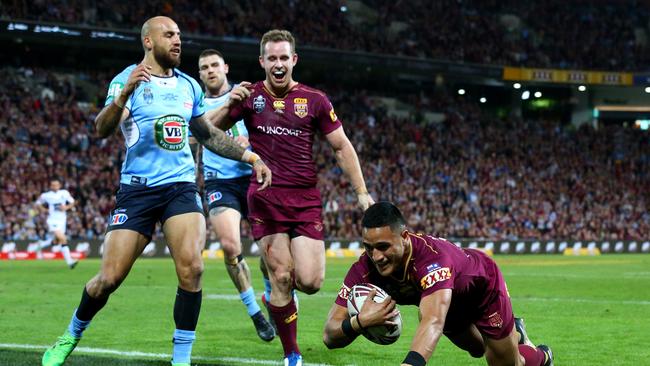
point(267, 289)
point(183, 341)
point(248, 298)
point(76, 326)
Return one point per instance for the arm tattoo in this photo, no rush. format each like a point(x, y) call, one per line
point(215, 140)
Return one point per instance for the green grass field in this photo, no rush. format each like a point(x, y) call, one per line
point(590, 310)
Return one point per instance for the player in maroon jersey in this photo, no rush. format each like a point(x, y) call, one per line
point(282, 117)
point(460, 293)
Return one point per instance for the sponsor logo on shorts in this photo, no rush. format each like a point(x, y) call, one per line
point(495, 320)
point(214, 196)
point(318, 226)
point(171, 132)
point(344, 292)
point(300, 107)
point(119, 219)
point(259, 103)
point(438, 275)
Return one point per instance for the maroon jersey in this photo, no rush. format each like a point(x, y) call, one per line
point(434, 264)
point(281, 130)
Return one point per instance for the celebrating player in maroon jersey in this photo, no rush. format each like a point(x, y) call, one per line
point(460, 293)
point(282, 116)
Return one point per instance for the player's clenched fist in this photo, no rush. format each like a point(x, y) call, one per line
point(141, 73)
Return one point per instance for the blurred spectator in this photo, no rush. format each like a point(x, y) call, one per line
point(581, 34)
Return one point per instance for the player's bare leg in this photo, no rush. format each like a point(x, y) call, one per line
point(121, 249)
point(226, 222)
point(61, 239)
point(504, 352)
point(309, 263)
point(507, 351)
point(185, 235)
point(276, 249)
point(469, 340)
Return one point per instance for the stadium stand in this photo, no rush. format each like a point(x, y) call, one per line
point(595, 35)
point(471, 176)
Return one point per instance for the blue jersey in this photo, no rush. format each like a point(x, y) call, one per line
point(156, 130)
point(215, 166)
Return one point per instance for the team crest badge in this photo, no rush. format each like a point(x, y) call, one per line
point(259, 103)
point(171, 132)
point(495, 320)
point(147, 95)
point(300, 107)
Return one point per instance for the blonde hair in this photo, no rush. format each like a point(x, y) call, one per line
point(277, 35)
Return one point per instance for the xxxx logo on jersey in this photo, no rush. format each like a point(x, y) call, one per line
point(171, 132)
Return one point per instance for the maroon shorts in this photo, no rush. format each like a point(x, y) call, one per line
point(493, 318)
point(295, 211)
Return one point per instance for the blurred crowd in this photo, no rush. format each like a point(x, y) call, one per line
point(472, 176)
point(582, 34)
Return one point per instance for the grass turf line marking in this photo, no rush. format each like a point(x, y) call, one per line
point(164, 356)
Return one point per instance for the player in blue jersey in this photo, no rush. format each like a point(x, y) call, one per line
point(154, 104)
point(226, 184)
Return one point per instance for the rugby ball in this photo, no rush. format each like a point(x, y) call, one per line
point(380, 334)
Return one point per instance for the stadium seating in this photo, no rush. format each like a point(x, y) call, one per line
point(551, 33)
point(471, 176)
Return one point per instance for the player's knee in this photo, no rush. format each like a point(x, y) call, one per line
point(309, 285)
point(194, 269)
point(231, 248)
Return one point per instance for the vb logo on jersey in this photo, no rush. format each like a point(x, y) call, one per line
point(171, 132)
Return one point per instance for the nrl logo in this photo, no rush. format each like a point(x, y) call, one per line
point(259, 103)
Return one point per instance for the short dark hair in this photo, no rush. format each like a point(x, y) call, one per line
point(210, 52)
point(383, 214)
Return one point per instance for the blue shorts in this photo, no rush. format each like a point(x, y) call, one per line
point(228, 193)
point(138, 208)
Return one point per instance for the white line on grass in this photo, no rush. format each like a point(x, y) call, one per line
point(164, 356)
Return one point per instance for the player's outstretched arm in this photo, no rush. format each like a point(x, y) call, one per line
point(337, 335)
point(348, 160)
point(111, 115)
point(219, 143)
point(433, 311)
point(341, 329)
point(220, 117)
